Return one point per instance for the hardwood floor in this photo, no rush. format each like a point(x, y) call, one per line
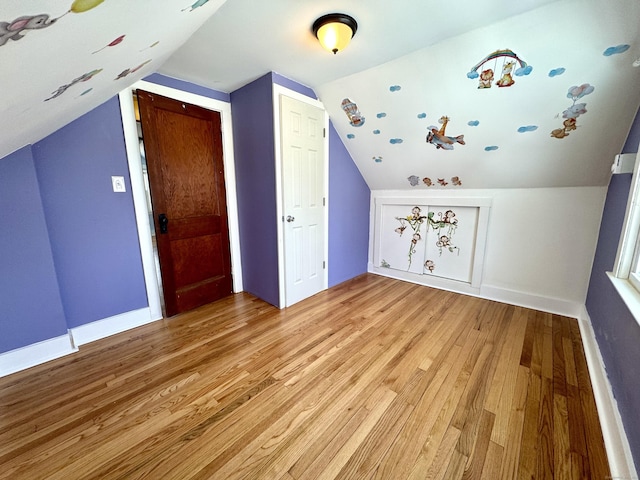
point(372, 379)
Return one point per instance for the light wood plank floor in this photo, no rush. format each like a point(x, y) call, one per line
point(372, 379)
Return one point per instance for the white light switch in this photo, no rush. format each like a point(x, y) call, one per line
point(118, 184)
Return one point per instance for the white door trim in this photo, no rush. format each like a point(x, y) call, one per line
point(137, 182)
point(279, 90)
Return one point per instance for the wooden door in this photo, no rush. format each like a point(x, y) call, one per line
point(183, 145)
point(304, 206)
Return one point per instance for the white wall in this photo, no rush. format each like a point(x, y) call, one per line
point(540, 243)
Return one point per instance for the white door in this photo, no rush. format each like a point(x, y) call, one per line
point(304, 205)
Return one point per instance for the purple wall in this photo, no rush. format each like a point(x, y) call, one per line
point(252, 113)
point(93, 233)
point(253, 130)
point(30, 305)
point(617, 331)
point(349, 198)
point(73, 246)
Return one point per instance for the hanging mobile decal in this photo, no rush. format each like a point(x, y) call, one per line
point(438, 138)
point(487, 69)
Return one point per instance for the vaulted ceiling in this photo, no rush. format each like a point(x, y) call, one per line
point(534, 93)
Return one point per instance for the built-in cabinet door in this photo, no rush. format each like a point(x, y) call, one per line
point(431, 239)
point(450, 242)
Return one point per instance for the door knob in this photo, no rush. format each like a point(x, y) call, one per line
point(164, 223)
point(290, 218)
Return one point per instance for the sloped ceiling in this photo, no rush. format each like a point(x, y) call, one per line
point(411, 63)
point(62, 58)
point(556, 117)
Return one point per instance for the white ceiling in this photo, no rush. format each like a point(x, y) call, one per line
point(246, 39)
point(406, 67)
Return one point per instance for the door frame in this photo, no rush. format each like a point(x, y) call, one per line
point(138, 191)
point(279, 90)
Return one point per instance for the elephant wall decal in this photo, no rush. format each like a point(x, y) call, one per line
point(16, 29)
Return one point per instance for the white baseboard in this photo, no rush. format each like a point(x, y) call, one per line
point(41, 352)
point(35, 354)
point(535, 302)
point(110, 326)
point(615, 438)
point(426, 280)
point(488, 292)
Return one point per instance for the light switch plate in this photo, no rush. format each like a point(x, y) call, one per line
point(118, 184)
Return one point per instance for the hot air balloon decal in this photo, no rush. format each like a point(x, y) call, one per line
point(351, 109)
point(485, 69)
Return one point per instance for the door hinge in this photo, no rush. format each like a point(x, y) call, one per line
point(324, 201)
point(324, 133)
point(324, 264)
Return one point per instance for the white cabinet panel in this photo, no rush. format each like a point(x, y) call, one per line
point(450, 242)
point(420, 239)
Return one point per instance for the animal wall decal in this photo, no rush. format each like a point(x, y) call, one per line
point(444, 226)
point(82, 78)
point(438, 137)
point(415, 221)
point(17, 29)
point(351, 109)
point(574, 111)
point(414, 181)
point(487, 72)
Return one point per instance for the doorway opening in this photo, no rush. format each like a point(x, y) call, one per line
point(147, 191)
point(132, 144)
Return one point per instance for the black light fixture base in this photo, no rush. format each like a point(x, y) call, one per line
point(335, 17)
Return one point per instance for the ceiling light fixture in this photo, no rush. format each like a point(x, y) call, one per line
point(334, 31)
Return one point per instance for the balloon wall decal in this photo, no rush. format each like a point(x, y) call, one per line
point(80, 6)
